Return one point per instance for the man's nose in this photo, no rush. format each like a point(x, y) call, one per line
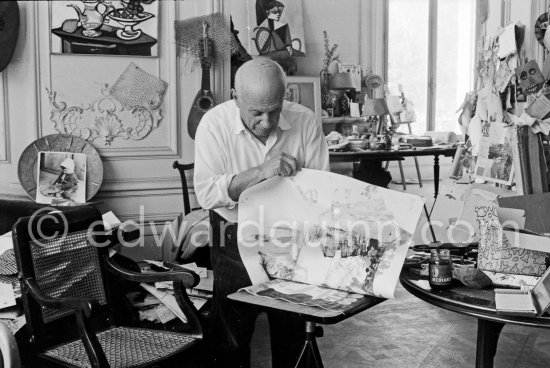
point(264, 120)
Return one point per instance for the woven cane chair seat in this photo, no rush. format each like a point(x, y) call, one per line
point(124, 347)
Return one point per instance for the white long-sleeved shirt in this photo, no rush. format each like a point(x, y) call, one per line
point(224, 148)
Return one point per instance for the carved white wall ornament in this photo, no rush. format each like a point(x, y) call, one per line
point(104, 118)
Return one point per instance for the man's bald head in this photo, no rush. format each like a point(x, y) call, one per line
point(260, 77)
point(260, 86)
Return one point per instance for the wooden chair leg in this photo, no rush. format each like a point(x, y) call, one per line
point(403, 181)
point(418, 171)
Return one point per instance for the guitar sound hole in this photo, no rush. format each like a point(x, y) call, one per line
point(205, 103)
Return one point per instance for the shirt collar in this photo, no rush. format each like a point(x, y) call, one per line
point(238, 125)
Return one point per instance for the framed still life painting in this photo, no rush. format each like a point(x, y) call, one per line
point(119, 27)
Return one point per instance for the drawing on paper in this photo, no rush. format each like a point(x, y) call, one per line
point(328, 230)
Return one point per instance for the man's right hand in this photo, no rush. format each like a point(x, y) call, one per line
point(281, 165)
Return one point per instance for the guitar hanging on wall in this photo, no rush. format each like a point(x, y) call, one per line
point(204, 99)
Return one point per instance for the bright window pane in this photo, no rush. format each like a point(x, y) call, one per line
point(455, 59)
point(408, 54)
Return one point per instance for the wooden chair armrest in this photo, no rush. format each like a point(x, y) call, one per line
point(85, 305)
point(182, 278)
point(187, 277)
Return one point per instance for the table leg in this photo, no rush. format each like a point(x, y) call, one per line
point(310, 356)
point(436, 175)
point(487, 339)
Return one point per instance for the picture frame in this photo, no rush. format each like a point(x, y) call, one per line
point(306, 91)
point(61, 178)
point(112, 28)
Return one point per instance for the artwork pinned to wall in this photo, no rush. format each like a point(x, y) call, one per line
point(495, 148)
point(279, 28)
point(123, 27)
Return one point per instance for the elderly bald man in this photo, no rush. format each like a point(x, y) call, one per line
point(240, 143)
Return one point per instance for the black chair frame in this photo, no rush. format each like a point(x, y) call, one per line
point(91, 315)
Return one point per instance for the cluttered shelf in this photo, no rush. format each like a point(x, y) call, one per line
point(344, 124)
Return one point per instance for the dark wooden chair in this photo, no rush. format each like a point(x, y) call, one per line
point(182, 168)
point(194, 219)
point(66, 278)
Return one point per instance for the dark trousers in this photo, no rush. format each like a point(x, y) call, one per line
point(232, 323)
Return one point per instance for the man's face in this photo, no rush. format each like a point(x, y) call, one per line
point(261, 112)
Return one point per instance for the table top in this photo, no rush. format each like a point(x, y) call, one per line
point(393, 154)
point(108, 36)
point(313, 314)
point(460, 299)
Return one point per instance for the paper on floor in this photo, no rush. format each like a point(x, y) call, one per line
point(7, 297)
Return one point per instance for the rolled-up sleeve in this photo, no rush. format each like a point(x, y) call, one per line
point(211, 179)
point(317, 156)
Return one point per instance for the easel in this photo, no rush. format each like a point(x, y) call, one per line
point(392, 119)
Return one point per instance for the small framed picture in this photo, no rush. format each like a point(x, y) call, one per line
point(305, 91)
point(61, 178)
point(293, 92)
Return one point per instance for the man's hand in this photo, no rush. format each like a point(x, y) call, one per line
point(281, 165)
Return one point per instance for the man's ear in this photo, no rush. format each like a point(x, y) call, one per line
point(233, 93)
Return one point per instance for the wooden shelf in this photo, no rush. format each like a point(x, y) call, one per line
point(344, 119)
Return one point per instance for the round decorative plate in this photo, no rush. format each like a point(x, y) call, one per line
point(28, 172)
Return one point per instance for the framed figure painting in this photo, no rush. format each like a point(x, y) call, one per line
point(306, 91)
point(118, 27)
point(277, 28)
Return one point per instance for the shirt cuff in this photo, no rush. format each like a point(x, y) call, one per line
point(225, 182)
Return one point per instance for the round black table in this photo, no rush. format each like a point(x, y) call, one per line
point(475, 303)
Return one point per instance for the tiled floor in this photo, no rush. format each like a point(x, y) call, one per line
point(407, 332)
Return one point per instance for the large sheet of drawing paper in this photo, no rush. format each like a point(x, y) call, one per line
point(326, 229)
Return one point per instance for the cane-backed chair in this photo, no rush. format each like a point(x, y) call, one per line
point(65, 273)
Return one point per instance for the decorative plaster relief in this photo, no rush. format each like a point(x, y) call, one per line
point(104, 119)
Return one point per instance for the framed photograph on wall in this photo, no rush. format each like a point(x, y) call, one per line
point(118, 27)
point(61, 178)
point(307, 92)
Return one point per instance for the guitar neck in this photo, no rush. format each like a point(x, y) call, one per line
point(205, 84)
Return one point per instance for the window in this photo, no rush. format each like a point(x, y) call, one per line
point(431, 54)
